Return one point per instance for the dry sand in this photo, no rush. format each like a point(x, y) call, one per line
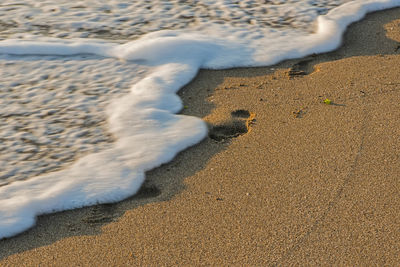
point(310, 183)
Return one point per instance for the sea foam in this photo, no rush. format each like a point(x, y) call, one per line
point(144, 122)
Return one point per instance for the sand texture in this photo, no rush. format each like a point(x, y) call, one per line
point(283, 178)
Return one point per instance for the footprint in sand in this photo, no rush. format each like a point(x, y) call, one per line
point(238, 124)
point(100, 214)
point(301, 68)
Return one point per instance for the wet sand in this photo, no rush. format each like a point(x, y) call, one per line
point(283, 178)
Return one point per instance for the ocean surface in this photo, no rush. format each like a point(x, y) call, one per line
point(88, 88)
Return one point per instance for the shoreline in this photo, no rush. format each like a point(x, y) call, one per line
point(198, 206)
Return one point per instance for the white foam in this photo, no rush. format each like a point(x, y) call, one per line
point(147, 130)
point(119, 20)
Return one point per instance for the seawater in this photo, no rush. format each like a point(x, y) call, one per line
point(88, 88)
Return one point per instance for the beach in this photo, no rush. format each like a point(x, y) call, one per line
point(284, 178)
